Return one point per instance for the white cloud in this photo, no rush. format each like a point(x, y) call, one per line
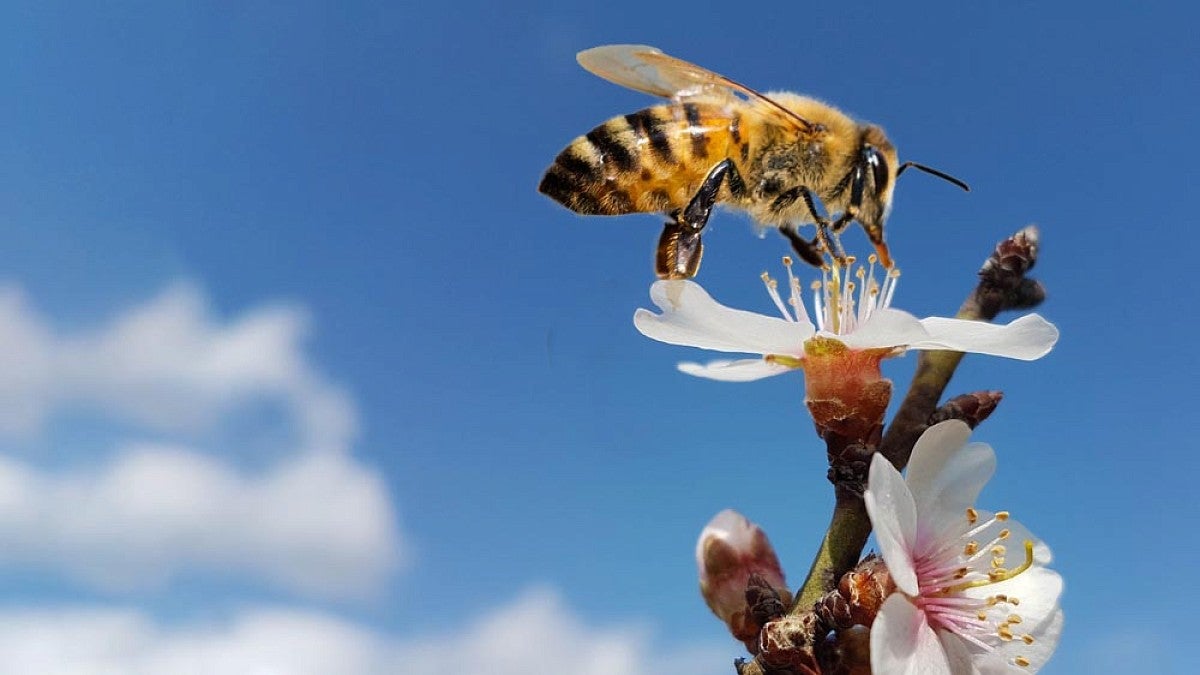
point(316, 522)
point(319, 524)
point(534, 635)
point(167, 364)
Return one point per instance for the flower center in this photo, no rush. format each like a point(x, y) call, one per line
point(945, 572)
point(844, 297)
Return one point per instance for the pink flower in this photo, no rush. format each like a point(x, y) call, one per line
point(974, 593)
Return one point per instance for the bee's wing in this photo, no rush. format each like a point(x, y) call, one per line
point(649, 70)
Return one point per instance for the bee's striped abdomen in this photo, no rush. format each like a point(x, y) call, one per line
point(643, 162)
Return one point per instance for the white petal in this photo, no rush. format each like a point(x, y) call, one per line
point(902, 643)
point(1027, 338)
point(740, 370)
point(1038, 588)
point(886, 328)
point(1001, 661)
point(894, 517)
point(958, 655)
point(945, 476)
point(693, 319)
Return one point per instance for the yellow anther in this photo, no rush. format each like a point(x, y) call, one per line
point(972, 515)
point(998, 550)
point(1002, 516)
point(961, 573)
point(787, 261)
point(1004, 534)
point(971, 548)
point(1027, 639)
point(816, 285)
point(1014, 618)
point(982, 616)
point(997, 598)
point(872, 258)
point(1004, 633)
point(1021, 661)
point(998, 562)
point(1014, 601)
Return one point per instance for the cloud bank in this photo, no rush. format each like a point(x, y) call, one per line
point(536, 633)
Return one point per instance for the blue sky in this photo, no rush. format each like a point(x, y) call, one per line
point(300, 357)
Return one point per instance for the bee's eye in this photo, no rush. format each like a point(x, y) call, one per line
point(879, 168)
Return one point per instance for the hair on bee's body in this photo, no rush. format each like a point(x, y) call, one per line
point(774, 156)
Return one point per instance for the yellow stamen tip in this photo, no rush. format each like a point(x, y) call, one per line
point(1002, 516)
point(1021, 661)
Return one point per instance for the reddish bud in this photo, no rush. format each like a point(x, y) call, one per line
point(740, 576)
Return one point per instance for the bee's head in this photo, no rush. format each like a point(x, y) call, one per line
point(876, 170)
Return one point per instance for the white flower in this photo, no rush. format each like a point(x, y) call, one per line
point(974, 594)
point(858, 316)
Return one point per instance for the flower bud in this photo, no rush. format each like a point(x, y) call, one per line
point(732, 549)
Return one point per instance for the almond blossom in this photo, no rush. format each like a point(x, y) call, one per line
point(974, 593)
point(852, 318)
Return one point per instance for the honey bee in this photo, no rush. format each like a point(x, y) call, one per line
point(774, 156)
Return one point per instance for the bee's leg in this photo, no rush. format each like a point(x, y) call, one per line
point(679, 246)
point(700, 207)
point(809, 251)
point(827, 238)
point(855, 203)
point(679, 251)
point(873, 230)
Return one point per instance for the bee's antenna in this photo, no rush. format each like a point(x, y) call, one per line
point(944, 176)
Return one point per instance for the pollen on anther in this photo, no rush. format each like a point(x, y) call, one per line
point(1004, 633)
point(787, 260)
point(982, 616)
point(1002, 516)
point(972, 515)
point(1027, 639)
point(1014, 601)
point(998, 549)
point(971, 548)
point(1004, 534)
point(1021, 661)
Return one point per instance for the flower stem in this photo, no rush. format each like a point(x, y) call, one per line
point(848, 531)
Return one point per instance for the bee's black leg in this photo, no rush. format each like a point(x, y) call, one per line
point(856, 197)
point(679, 246)
point(809, 251)
point(679, 251)
point(700, 208)
point(824, 235)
